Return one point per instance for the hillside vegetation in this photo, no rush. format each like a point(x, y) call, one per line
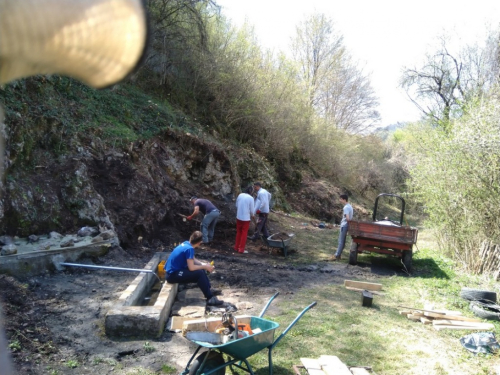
point(298, 123)
point(208, 113)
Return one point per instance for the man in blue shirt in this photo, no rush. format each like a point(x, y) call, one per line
point(209, 221)
point(183, 267)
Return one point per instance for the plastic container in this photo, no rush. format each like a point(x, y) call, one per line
point(161, 270)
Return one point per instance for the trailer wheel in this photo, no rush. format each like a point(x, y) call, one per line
point(214, 360)
point(353, 254)
point(407, 259)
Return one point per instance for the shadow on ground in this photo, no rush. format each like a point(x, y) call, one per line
point(386, 266)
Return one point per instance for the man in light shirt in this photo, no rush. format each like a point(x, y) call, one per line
point(261, 208)
point(244, 213)
point(347, 214)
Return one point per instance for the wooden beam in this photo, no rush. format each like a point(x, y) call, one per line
point(486, 327)
point(310, 364)
point(451, 317)
point(332, 365)
point(360, 290)
point(362, 285)
point(359, 371)
point(425, 320)
point(438, 322)
point(442, 312)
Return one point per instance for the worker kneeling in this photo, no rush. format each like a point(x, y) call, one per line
point(183, 267)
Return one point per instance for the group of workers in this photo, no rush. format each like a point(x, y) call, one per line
point(182, 265)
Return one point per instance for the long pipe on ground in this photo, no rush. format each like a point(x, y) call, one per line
point(111, 268)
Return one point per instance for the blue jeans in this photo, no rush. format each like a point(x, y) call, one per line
point(208, 225)
point(342, 237)
point(261, 226)
point(186, 276)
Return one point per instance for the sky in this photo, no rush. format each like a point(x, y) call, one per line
point(384, 36)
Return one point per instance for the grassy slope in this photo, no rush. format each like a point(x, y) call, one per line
point(378, 336)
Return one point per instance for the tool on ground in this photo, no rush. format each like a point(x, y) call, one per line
point(109, 268)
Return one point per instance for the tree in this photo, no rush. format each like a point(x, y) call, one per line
point(339, 92)
point(448, 81)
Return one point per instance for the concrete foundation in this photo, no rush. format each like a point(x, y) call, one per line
point(28, 264)
point(128, 318)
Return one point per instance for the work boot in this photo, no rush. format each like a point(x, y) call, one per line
point(214, 301)
point(216, 292)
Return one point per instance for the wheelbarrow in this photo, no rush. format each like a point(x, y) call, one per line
point(238, 350)
point(278, 243)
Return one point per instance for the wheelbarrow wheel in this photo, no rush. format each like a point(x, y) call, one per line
point(353, 254)
point(214, 360)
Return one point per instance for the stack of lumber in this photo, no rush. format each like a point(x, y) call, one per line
point(444, 319)
point(330, 365)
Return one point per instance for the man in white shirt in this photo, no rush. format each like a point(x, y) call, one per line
point(261, 208)
point(244, 213)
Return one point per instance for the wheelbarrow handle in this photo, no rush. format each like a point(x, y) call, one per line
point(292, 324)
point(267, 305)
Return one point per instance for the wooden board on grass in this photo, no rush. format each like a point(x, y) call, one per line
point(362, 285)
point(310, 364)
point(442, 312)
point(485, 327)
point(451, 317)
point(448, 322)
point(359, 371)
point(425, 320)
point(361, 290)
point(332, 365)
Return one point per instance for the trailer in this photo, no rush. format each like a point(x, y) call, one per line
point(385, 234)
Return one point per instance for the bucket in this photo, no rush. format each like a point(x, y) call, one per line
point(161, 270)
point(366, 298)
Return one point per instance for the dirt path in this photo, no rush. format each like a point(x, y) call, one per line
point(58, 320)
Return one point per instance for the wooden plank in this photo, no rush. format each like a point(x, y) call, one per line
point(425, 320)
point(359, 371)
point(362, 285)
point(412, 317)
point(360, 290)
point(310, 364)
point(442, 312)
point(315, 372)
point(417, 314)
point(487, 327)
point(404, 312)
point(449, 312)
point(451, 317)
point(449, 322)
point(332, 365)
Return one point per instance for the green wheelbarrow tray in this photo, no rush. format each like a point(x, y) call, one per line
point(247, 346)
point(238, 350)
point(278, 243)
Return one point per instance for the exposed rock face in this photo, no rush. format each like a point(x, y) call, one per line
point(135, 193)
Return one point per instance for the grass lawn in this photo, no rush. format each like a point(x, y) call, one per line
point(376, 336)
